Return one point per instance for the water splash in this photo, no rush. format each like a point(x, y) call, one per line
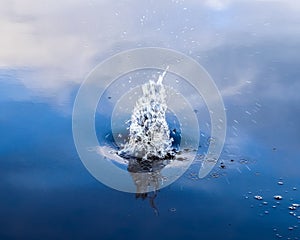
point(149, 134)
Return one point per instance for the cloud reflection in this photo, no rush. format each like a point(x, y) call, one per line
point(61, 41)
point(251, 48)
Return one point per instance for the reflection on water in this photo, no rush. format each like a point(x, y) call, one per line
point(152, 178)
point(251, 48)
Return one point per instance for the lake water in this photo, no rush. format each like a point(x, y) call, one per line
point(251, 49)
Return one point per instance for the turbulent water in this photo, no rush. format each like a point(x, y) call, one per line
point(149, 134)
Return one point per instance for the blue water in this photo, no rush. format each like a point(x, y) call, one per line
point(47, 193)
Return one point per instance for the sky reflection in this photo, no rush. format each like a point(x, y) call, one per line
point(250, 48)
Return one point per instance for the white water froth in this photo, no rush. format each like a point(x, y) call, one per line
point(149, 134)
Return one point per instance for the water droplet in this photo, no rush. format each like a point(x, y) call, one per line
point(278, 197)
point(257, 197)
point(172, 209)
point(258, 105)
point(243, 161)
